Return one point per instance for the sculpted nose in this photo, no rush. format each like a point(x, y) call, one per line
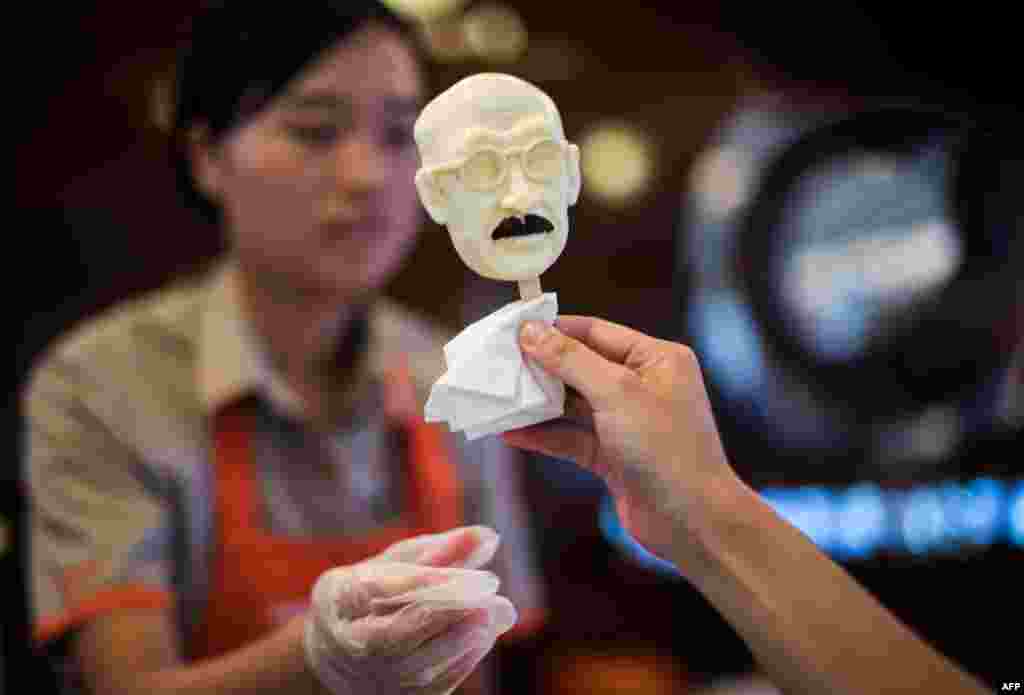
point(518, 193)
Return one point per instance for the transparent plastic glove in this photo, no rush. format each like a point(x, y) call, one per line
point(469, 547)
point(396, 627)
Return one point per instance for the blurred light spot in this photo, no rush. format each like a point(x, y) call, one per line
point(809, 508)
point(973, 510)
point(720, 180)
point(933, 255)
point(425, 10)
point(445, 40)
point(875, 167)
point(495, 32)
point(1016, 517)
point(841, 292)
point(617, 162)
point(862, 521)
point(924, 521)
point(828, 299)
point(927, 437)
point(935, 433)
point(728, 343)
point(161, 104)
point(859, 521)
point(612, 529)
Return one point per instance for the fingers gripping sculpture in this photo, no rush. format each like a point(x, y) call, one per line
point(498, 172)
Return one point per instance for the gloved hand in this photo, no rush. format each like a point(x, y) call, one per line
point(416, 619)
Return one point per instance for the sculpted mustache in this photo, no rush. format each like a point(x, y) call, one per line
point(516, 226)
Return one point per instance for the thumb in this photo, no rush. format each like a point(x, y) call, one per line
point(598, 379)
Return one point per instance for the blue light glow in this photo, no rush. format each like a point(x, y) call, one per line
point(727, 339)
point(1015, 527)
point(974, 510)
point(810, 509)
point(923, 521)
point(613, 530)
point(859, 522)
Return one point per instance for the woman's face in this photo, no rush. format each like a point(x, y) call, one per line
point(317, 189)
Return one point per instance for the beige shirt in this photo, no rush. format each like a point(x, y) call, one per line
point(118, 448)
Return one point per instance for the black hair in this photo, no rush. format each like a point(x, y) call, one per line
point(241, 53)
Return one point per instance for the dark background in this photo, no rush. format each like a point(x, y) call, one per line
point(96, 208)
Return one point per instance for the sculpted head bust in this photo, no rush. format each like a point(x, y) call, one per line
point(498, 172)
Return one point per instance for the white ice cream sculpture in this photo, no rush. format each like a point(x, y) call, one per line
point(498, 173)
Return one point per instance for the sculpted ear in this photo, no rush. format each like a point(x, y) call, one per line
point(575, 181)
point(433, 196)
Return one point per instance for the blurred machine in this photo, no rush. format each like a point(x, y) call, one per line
point(855, 299)
point(854, 296)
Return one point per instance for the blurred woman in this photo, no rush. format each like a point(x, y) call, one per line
point(199, 456)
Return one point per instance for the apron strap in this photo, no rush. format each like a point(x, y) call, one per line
point(436, 492)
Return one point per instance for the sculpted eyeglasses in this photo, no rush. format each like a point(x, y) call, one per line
point(487, 168)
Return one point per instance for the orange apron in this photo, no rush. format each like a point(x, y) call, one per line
point(255, 573)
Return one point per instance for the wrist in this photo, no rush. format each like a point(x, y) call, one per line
point(299, 631)
point(714, 516)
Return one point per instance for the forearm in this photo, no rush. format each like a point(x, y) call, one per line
point(131, 655)
point(810, 626)
point(275, 664)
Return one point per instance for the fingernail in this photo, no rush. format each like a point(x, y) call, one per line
point(533, 331)
point(488, 541)
point(503, 615)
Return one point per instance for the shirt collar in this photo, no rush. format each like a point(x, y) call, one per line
point(232, 363)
